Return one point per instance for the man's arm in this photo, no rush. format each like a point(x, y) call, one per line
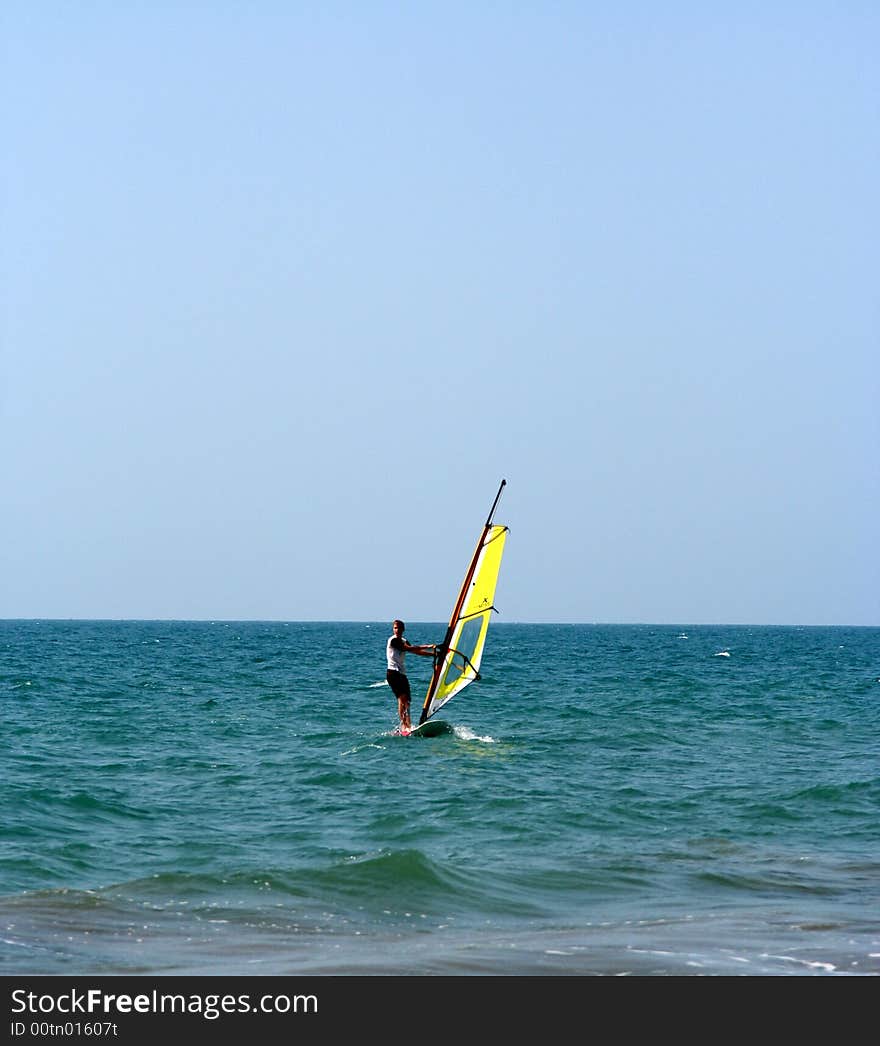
point(424, 650)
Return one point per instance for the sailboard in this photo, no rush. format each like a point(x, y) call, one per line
point(457, 659)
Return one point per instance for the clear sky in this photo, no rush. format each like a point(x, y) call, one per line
point(288, 288)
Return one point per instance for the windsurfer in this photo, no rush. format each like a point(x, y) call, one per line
point(396, 649)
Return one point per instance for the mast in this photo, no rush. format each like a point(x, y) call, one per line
point(443, 649)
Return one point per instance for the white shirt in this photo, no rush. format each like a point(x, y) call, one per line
point(395, 654)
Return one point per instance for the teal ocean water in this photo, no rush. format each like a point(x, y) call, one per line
point(230, 799)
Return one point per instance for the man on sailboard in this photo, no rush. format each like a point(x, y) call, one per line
point(396, 649)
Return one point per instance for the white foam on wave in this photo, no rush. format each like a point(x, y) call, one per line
point(829, 967)
point(382, 682)
point(360, 747)
point(466, 734)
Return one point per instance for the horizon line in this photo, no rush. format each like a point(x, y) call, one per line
point(438, 621)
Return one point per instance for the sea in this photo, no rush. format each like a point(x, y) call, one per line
point(230, 798)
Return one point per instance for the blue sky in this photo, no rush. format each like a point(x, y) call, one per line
point(289, 287)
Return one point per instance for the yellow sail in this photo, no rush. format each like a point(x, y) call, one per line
point(460, 654)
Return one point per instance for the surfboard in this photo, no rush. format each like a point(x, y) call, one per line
point(430, 728)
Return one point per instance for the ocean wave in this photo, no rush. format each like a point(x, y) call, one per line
point(389, 882)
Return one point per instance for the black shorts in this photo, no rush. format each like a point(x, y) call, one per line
point(399, 684)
